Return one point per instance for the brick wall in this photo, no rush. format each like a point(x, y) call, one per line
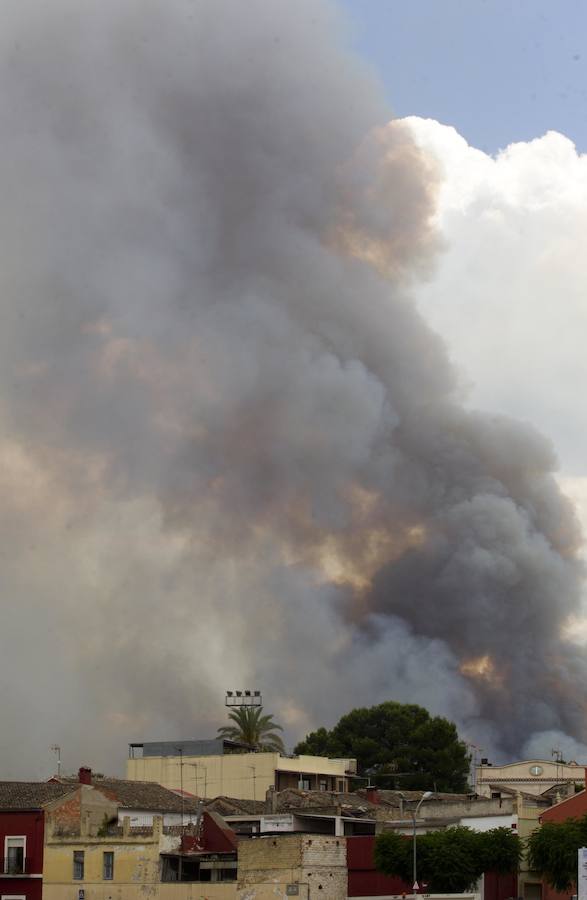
point(324, 867)
point(323, 851)
point(316, 863)
point(66, 816)
point(260, 854)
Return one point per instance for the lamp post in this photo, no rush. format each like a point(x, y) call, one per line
point(414, 814)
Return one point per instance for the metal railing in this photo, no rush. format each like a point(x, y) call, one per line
point(11, 866)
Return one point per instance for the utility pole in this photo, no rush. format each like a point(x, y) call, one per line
point(180, 751)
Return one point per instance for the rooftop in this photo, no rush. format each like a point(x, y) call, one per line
point(137, 795)
point(22, 795)
point(295, 800)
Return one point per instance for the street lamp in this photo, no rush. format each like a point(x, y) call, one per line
point(414, 814)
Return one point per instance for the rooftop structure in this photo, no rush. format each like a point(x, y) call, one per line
point(223, 768)
point(211, 747)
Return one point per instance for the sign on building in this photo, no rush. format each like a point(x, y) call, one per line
point(582, 874)
point(280, 823)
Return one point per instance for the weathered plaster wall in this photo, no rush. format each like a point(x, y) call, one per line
point(316, 863)
point(105, 891)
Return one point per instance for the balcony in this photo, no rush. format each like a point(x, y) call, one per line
point(15, 867)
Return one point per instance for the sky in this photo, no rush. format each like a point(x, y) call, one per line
point(498, 71)
point(291, 390)
point(496, 74)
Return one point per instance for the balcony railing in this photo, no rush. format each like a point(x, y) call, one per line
point(10, 866)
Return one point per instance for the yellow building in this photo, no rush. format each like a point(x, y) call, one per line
point(533, 776)
point(89, 856)
point(529, 812)
point(211, 769)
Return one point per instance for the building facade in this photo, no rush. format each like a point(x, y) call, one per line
point(223, 772)
point(304, 866)
point(22, 826)
point(139, 801)
point(21, 840)
point(533, 776)
point(89, 856)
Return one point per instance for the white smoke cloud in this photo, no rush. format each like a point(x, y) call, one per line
point(509, 293)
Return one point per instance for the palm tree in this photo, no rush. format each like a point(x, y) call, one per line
point(252, 728)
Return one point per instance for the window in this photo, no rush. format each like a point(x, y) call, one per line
point(323, 784)
point(108, 865)
point(14, 855)
point(78, 865)
point(304, 784)
point(12, 897)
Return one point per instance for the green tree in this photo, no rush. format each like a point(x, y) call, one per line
point(393, 855)
point(552, 851)
point(498, 850)
point(451, 860)
point(251, 727)
point(416, 750)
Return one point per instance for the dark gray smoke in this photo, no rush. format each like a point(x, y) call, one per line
point(232, 452)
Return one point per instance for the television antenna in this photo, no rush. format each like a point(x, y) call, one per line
point(57, 750)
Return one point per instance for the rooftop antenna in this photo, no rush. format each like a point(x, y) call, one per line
point(243, 698)
point(57, 749)
point(557, 755)
point(180, 751)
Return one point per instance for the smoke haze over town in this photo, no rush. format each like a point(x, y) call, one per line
point(235, 449)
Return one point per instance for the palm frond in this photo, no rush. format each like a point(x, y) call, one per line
point(253, 728)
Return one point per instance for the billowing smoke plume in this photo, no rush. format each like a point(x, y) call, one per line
point(233, 453)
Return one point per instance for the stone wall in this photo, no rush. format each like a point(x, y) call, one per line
point(314, 865)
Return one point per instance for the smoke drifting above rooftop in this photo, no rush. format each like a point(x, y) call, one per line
point(233, 451)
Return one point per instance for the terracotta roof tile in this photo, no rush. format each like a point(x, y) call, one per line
point(139, 795)
point(231, 806)
point(30, 794)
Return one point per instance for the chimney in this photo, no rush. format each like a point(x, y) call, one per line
point(372, 794)
point(85, 775)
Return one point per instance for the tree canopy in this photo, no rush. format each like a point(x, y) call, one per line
point(403, 741)
point(251, 727)
point(451, 860)
point(552, 851)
